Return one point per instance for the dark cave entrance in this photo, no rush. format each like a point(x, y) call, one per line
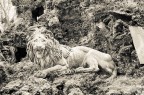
point(20, 53)
point(37, 12)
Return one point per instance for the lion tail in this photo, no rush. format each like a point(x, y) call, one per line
point(113, 75)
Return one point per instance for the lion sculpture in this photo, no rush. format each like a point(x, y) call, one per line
point(46, 51)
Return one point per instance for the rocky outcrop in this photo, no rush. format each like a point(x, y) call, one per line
point(3, 75)
point(97, 24)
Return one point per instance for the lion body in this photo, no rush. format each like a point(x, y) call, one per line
point(50, 55)
point(81, 56)
point(75, 57)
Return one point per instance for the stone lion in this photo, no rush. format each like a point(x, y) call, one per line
point(46, 51)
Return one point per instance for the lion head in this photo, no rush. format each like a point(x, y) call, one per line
point(42, 48)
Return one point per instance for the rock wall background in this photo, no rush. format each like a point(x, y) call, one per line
point(99, 24)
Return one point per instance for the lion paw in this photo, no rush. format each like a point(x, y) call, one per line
point(40, 74)
point(68, 72)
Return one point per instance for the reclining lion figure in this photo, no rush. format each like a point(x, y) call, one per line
point(46, 51)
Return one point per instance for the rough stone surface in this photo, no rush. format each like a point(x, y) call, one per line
point(99, 24)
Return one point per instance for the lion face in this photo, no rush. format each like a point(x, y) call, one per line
point(42, 48)
point(40, 44)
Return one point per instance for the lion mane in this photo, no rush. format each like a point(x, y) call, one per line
point(52, 52)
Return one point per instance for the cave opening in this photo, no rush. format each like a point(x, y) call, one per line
point(37, 12)
point(20, 53)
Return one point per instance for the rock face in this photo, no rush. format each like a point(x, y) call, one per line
point(11, 87)
point(74, 22)
point(3, 75)
point(30, 86)
point(99, 24)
